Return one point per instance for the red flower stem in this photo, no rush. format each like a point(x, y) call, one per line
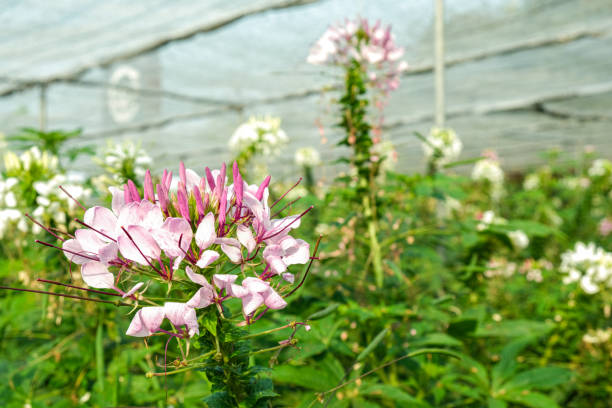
point(73, 199)
point(77, 287)
point(65, 295)
point(287, 205)
point(145, 258)
point(95, 230)
point(288, 225)
point(43, 227)
point(312, 258)
point(286, 192)
point(65, 250)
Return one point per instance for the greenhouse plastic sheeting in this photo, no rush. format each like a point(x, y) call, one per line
point(522, 76)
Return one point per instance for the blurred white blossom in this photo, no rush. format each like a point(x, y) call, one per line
point(442, 146)
point(589, 265)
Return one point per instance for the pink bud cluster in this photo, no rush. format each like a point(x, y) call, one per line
point(370, 45)
point(200, 226)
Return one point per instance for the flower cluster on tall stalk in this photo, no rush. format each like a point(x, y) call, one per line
point(370, 60)
point(257, 138)
point(31, 185)
point(442, 146)
point(184, 260)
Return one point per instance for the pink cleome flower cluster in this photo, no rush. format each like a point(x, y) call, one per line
point(199, 228)
point(373, 46)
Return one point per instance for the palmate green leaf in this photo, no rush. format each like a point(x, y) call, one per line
point(496, 403)
point(219, 399)
point(373, 344)
point(439, 339)
point(541, 378)
point(391, 393)
point(507, 362)
point(324, 312)
point(513, 328)
point(530, 399)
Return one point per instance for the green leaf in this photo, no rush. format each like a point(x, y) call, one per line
point(496, 403)
point(219, 399)
point(507, 362)
point(209, 321)
point(379, 337)
point(389, 392)
point(324, 312)
point(462, 328)
point(541, 377)
point(530, 399)
point(439, 339)
point(513, 328)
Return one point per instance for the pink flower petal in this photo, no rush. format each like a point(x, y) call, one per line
point(205, 234)
point(245, 236)
point(173, 231)
point(72, 249)
point(182, 315)
point(103, 220)
point(108, 253)
point(255, 285)
point(233, 253)
point(96, 275)
point(143, 242)
point(223, 281)
point(89, 240)
point(146, 321)
point(133, 290)
point(273, 300)
point(207, 258)
point(202, 298)
point(251, 302)
point(118, 200)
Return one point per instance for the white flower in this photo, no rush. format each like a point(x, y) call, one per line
point(263, 135)
point(597, 336)
point(532, 182)
point(307, 157)
point(589, 265)
point(488, 170)
point(442, 146)
point(600, 167)
point(519, 239)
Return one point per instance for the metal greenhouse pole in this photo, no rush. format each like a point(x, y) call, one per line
point(439, 63)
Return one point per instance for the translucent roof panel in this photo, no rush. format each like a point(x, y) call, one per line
point(522, 75)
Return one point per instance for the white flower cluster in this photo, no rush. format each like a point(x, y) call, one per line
point(489, 170)
point(262, 135)
point(52, 203)
point(8, 213)
point(386, 152)
point(126, 160)
point(600, 168)
point(31, 184)
point(589, 265)
point(442, 146)
point(307, 157)
point(531, 182)
point(519, 239)
point(29, 160)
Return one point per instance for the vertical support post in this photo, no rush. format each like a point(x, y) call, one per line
point(43, 108)
point(439, 63)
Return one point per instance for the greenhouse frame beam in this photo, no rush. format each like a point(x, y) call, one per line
point(24, 84)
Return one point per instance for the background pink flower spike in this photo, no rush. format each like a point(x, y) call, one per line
point(238, 186)
point(183, 204)
point(149, 192)
point(182, 173)
point(210, 179)
point(199, 203)
point(262, 187)
point(222, 210)
point(127, 196)
point(133, 191)
point(162, 196)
